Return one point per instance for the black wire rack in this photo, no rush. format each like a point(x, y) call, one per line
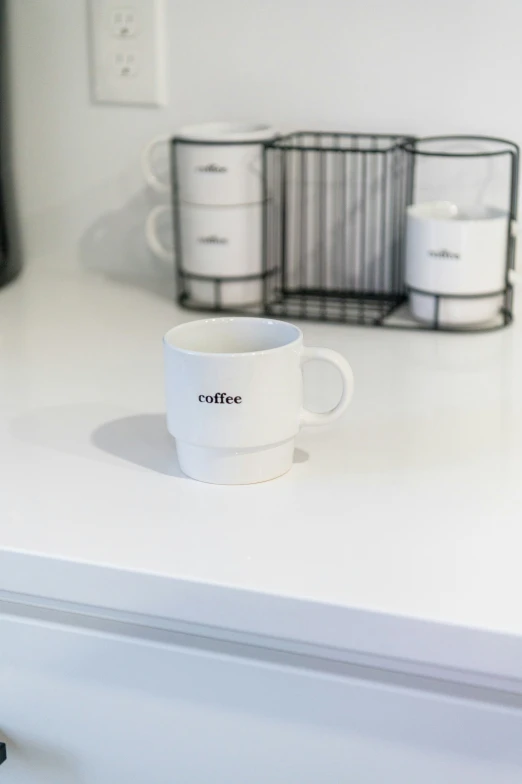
point(334, 222)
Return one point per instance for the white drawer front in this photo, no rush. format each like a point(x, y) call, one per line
point(82, 707)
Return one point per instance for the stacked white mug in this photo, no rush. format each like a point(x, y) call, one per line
point(219, 178)
point(459, 253)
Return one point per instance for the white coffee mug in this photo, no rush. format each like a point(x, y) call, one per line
point(224, 242)
point(234, 391)
point(216, 163)
point(455, 251)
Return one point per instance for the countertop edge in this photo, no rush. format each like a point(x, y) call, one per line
point(351, 631)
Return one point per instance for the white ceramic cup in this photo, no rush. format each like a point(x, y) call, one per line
point(457, 252)
point(234, 391)
point(225, 242)
point(217, 163)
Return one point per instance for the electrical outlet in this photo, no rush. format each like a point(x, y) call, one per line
point(128, 51)
point(123, 22)
point(126, 65)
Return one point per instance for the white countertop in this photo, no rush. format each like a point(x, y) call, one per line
point(397, 533)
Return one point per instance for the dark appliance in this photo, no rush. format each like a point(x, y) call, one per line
point(9, 252)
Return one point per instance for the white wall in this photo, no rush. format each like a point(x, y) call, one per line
point(371, 65)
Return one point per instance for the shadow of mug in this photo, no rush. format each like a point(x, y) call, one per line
point(115, 247)
point(141, 439)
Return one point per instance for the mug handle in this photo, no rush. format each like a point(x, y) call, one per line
point(338, 361)
point(151, 233)
point(150, 176)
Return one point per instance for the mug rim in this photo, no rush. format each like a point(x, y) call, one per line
point(187, 325)
point(421, 211)
point(226, 132)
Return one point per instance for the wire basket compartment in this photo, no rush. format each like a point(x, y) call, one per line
point(335, 220)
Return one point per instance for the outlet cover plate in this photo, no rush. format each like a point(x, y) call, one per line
point(127, 51)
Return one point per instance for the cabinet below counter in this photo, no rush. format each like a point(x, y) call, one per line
point(83, 700)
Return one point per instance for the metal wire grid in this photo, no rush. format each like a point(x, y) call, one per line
point(335, 220)
point(334, 230)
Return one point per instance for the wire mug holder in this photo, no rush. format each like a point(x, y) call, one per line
point(334, 226)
